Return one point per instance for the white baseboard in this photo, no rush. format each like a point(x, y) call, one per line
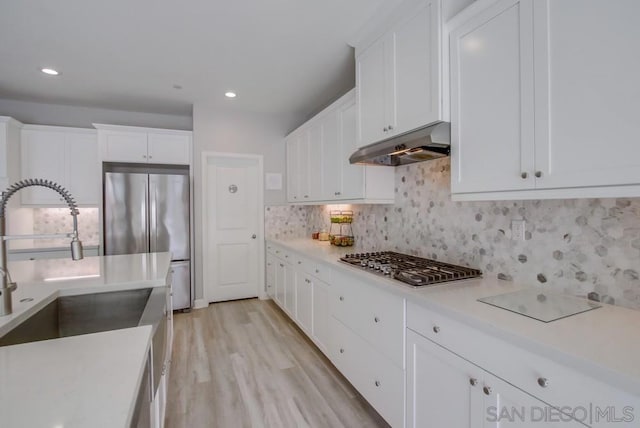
point(200, 303)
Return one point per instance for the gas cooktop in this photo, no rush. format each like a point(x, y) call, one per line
point(412, 270)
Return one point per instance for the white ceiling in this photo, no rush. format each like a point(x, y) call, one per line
point(286, 57)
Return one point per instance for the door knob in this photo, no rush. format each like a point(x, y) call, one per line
point(543, 382)
point(253, 236)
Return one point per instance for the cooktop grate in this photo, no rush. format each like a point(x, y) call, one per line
point(412, 270)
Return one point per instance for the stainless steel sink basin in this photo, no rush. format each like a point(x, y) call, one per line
point(84, 314)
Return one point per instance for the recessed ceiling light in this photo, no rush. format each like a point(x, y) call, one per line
point(230, 94)
point(50, 71)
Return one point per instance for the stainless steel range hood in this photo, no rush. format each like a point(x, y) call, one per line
point(427, 143)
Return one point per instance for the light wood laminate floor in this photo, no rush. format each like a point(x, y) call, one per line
point(245, 364)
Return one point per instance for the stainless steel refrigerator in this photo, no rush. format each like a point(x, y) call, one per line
point(147, 210)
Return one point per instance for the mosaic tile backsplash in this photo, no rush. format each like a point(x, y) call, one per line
point(577, 246)
point(286, 221)
point(58, 220)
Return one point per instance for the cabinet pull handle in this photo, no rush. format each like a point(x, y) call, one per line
point(342, 350)
point(337, 193)
point(473, 381)
point(384, 129)
point(436, 329)
point(486, 390)
point(341, 299)
point(306, 196)
point(390, 127)
point(299, 262)
point(376, 319)
point(377, 383)
point(144, 156)
point(307, 281)
point(150, 157)
point(538, 174)
point(524, 175)
point(281, 265)
point(543, 382)
point(317, 271)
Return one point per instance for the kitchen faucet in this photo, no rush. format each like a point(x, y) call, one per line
point(7, 287)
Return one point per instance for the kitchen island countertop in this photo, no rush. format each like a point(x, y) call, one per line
point(80, 381)
point(87, 380)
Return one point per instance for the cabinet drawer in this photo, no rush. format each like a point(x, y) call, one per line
point(377, 378)
point(554, 383)
point(374, 314)
point(301, 263)
point(321, 271)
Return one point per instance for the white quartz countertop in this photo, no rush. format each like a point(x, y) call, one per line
point(604, 343)
point(80, 381)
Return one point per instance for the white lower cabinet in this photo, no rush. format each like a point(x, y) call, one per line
point(376, 377)
point(362, 333)
point(304, 302)
point(321, 314)
point(524, 389)
point(279, 283)
point(298, 288)
point(270, 277)
point(445, 390)
point(290, 276)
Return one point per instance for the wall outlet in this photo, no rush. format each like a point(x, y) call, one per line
point(518, 228)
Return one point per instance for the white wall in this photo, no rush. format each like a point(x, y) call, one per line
point(218, 128)
point(83, 117)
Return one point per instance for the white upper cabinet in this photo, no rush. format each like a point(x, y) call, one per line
point(372, 88)
point(169, 148)
point(293, 182)
point(82, 172)
point(544, 100)
point(399, 75)
point(304, 166)
point(144, 145)
point(587, 93)
point(492, 100)
point(122, 146)
point(66, 156)
point(332, 159)
point(9, 151)
point(318, 168)
point(352, 177)
point(315, 175)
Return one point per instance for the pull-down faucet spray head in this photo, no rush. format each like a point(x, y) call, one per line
point(6, 286)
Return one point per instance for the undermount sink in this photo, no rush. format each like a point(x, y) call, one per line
point(84, 314)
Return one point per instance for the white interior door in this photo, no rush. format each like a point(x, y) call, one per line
point(233, 204)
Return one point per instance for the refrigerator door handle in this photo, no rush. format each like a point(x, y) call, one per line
point(153, 215)
point(146, 212)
